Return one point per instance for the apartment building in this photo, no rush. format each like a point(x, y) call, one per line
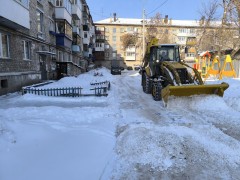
point(42, 40)
point(109, 45)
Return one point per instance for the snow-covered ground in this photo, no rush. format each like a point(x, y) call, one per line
point(125, 135)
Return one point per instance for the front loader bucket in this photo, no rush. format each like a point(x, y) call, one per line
point(190, 90)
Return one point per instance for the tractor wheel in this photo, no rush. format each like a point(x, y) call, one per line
point(156, 91)
point(146, 83)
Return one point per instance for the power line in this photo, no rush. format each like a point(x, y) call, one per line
point(158, 7)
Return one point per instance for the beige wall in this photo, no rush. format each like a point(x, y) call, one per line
point(113, 40)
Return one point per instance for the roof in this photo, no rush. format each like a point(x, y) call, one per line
point(120, 21)
point(205, 53)
point(131, 21)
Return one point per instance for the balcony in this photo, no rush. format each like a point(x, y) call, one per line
point(76, 12)
point(76, 48)
point(76, 40)
point(100, 40)
point(86, 40)
point(63, 41)
point(86, 54)
point(62, 13)
point(131, 54)
point(99, 49)
point(191, 43)
point(98, 32)
point(15, 14)
point(76, 30)
point(187, 34)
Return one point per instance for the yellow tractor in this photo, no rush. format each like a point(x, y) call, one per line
point(164, 74)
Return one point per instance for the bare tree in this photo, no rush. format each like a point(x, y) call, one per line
point(205, 34)
point(129, 40)
point(157, 28)
point(218, 33)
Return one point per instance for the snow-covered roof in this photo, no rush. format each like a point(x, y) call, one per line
point(120, 21)
point(171, 22)
point(130, 21)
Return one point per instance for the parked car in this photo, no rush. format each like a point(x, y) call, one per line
point(137, 68)
point(122, 68)
point(129, 68)
point(115, 70)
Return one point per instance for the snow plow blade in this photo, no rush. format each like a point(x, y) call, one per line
point(190, 90)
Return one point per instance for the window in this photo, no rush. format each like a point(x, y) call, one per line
point(122, 30)
point(114, 30)
point(76, 2)
point(192, 31)
point(107, 38)
point(130, 29)
point(130, 53)
point(100, 28)
point(182, 38)
point(114, 38)
point(40, 27)
point(39, 21)
point(60, 55)
point(106, 46)
point(59, 3)
point(85, 47)
point(85, 35)
point(182, 30)
point(98, 44)
point(101, 37)
point(4, 46)
point(114, 47)
point(68, 31)
point(190, 54)
point(27, 50)
point(51, 25)
point(107, 54)
point(24, 2)
point(62, 27)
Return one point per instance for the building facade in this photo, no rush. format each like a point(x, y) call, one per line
point(43, 40)
point(109, 32)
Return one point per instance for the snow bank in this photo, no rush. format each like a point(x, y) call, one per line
point(170, 152)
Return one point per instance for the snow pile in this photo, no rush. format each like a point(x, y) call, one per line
point(172, 152)
point(83, 80)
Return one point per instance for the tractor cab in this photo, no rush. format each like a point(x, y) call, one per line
point(165, 52)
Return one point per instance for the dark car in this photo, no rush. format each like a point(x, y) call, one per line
point(137, 68)
point(129, 68)
point(116, 70)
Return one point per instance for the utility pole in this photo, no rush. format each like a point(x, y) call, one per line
point(143, 35)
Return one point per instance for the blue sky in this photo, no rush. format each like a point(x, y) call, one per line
point(175, 9)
